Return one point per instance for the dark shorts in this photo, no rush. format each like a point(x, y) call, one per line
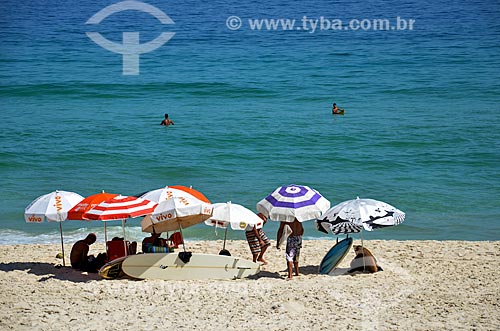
point(293, 246)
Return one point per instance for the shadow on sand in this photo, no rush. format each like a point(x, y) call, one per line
point(50, 271)
point(305, 270)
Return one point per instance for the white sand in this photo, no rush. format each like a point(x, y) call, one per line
point(425, 285)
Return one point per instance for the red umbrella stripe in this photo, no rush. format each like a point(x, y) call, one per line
point(77, 212)
point(121, 207)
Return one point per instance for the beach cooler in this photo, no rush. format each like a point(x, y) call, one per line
point(116, 249)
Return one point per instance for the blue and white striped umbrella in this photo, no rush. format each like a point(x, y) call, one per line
point(291, 202)
point(353, 215)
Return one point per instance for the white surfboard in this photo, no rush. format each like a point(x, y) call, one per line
point(168, 266)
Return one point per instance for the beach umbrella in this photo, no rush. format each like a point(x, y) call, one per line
point(120, 208)
point(179, 207)
point(233, 215)
point(354, 215)
point(174, 191)
point(52, 207)
point(76, 213)
point(287, 203)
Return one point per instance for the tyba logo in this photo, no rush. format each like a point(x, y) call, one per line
point(130, 47)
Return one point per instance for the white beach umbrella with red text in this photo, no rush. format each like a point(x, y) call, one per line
point(178, 207)
point(52, 207)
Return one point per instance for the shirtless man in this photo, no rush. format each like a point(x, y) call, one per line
point(293, 246)
point(79, 254)
point(336, 110)
point(167, 121)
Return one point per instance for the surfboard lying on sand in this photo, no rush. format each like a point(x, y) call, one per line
point(113, 269)
point(335, 255)
point(169, 266)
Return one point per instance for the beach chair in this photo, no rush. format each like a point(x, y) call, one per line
point(116, 249)
point(176, 239)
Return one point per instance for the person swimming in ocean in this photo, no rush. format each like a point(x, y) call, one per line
point(167, 121)
point(336, 110)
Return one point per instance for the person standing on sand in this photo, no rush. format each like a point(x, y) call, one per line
point(293, 246)
point(258, 242)
point(166, 121)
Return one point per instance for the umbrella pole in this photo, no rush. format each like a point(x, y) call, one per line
point(124, 239)
point(225, 235)
point(362, 249)
point(105, 234)
point(62, 243)
point(182, 236)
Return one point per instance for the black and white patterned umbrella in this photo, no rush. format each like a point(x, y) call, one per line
point(353, 215)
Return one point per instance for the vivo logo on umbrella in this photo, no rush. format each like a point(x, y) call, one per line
point(164, 217)
point(35, 219)
point(207, 210)
point(58, 204)
point(130, 47)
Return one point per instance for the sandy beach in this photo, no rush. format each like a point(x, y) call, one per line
point(425, 285)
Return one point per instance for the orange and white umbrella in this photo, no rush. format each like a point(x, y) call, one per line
point(178, 207)
point(52, 207)
point(76, 213)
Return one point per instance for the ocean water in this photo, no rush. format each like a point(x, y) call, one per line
point(252, 111)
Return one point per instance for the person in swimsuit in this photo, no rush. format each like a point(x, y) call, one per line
point(336, 110)
point(293, 246)
point(166, 121)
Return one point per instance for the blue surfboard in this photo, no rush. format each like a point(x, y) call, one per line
point(335, 255)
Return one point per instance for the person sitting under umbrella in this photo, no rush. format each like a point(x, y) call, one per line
point(80, 258)
point(155, 244)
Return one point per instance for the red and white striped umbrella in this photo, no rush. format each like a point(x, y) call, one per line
point(120, 208)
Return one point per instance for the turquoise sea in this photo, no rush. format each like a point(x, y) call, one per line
point(252, 110)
